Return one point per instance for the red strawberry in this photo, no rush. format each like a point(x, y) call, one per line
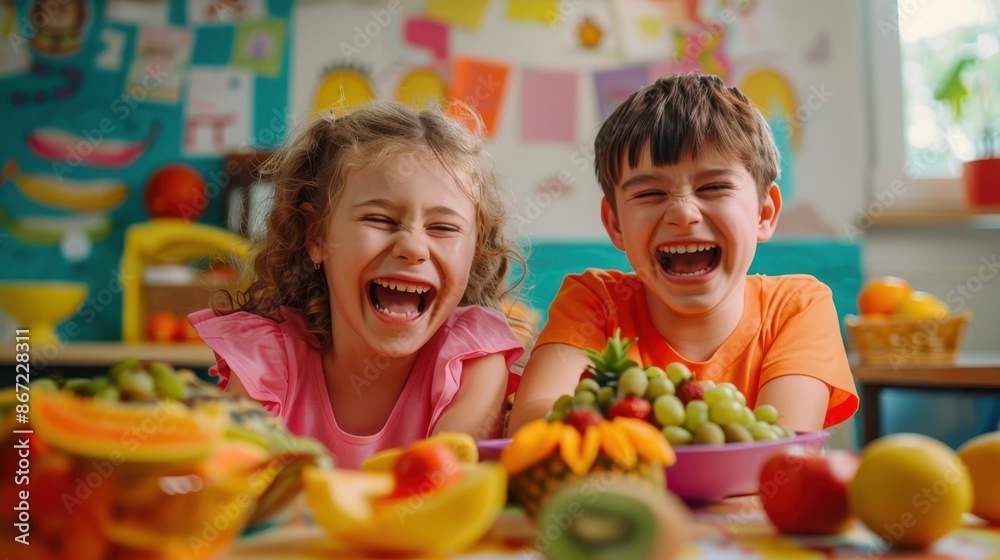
point(631, 407)
point(690, 391)
point(582, 418)
point(586, 375)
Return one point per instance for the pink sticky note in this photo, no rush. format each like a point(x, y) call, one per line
point(423, 32)
point(548, 107)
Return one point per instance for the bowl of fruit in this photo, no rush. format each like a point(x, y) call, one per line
point(716, 444)
point(146, 462)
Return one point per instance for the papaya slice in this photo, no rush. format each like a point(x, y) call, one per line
point(532, 443)
point(617, 445)
point(580, 453)
point(144, 433)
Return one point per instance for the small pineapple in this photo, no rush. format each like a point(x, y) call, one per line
point(609, 364)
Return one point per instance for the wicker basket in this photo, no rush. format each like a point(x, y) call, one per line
point(905, 341)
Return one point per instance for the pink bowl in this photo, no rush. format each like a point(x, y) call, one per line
point(710, 473)
point(707, 473)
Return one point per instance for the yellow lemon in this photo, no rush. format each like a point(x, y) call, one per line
point(921, 306)
point(910, 489)
point(981, 455)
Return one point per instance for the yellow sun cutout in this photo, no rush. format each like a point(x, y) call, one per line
point(342, 89)
point(421, 88)
point(771, 92)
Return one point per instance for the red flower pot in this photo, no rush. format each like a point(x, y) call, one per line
point(981, 178)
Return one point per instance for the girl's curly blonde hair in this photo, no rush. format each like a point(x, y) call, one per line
point(312, 170)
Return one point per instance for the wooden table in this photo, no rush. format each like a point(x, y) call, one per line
point(973, 372)
point(734, 529)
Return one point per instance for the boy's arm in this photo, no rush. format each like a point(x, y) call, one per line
point(553, 370)
point(802, 401)
point(478, 407)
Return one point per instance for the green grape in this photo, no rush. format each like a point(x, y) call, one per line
point(44, 384)
point(677, 435)
point(747, 418)
point(633, 382)
point(717, 394)
point(98, 383)
point(728, 386)
point(709, 433)
point(563, 404)
point(606, 397)
point(128, 364)
point(741, 398)
point(659, 387)
point(696, 414)
point(655, 372)
point(166, 382)
point(766, 413)
point(584, 398)
point(668, 410)
point(108, 393)
point(137, 385)
point(762, 431)
point(789, 433)
point(554, 416)
point(737, 433)
point(80, 386)
point(678, 373)
point(588, 384)
point(724, 412)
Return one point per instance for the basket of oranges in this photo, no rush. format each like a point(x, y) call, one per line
point(902, 326)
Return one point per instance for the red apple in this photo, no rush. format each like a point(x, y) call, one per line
point(176, 191)
point(805, 492)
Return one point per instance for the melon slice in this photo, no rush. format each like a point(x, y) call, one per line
point(144, 433)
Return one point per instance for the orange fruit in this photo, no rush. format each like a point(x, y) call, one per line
point(163, 326)
point(883, 295)
point(980, 455)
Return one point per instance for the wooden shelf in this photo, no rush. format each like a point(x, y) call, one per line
point(100, 354)
point(987, 217)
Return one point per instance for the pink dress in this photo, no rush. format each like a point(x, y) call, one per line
point(278, 367)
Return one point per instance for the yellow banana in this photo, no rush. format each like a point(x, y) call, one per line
point(83, 196)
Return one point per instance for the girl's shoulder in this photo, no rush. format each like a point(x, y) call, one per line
point(477, 323)
point(242, 324)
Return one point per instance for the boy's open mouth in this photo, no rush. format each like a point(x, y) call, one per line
point(692, 259)
point(400, 299)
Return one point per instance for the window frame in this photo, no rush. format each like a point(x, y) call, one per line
point(889, 172)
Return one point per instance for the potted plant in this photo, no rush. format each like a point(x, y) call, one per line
point(980, 176)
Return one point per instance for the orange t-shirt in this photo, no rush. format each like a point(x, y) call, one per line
point(789, 327)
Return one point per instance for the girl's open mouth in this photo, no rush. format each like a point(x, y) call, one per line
point(693, 259)
point(398, 299)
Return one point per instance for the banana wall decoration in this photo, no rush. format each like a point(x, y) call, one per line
point(63, 194)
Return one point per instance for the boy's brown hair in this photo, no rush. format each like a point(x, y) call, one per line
point(685, 114)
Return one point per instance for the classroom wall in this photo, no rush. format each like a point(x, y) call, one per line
point(806, 42)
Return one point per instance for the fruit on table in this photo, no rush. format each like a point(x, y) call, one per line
point(910, 489)
point(882, 295)
point(686, 410)
point(604, 517)
point(981, 456)
point(361, 510)
point(462, 445)
point(805, 493)
point(542, 455)
point(921, 306)
point(425, 467)
point(163, 326)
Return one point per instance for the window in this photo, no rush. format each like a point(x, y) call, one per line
point(914, 46)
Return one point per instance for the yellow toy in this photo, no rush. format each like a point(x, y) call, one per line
point(168, 240)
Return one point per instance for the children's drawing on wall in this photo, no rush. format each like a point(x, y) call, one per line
point(541, 11)
point(64, 147)
point(258, 46)
point(13, 58)
point(224, 11)
point(158, 68)
point(480, 84)
point(465, 13)
point(59, 26)
point(218, 111)
point(341, 88)
point(548, 106)
point(699, 47)
point(587, 25)
point(51, 83)
point(113, 50)
point(645, 29)
point(752, 25)
point(431, 38)
point(138, 12)
point(421, 88)
point(614, 86)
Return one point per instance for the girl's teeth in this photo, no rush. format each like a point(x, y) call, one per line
point(696, 273)
point(394, 314)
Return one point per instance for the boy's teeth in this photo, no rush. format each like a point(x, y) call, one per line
point(689, 248)
point(401, 287)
